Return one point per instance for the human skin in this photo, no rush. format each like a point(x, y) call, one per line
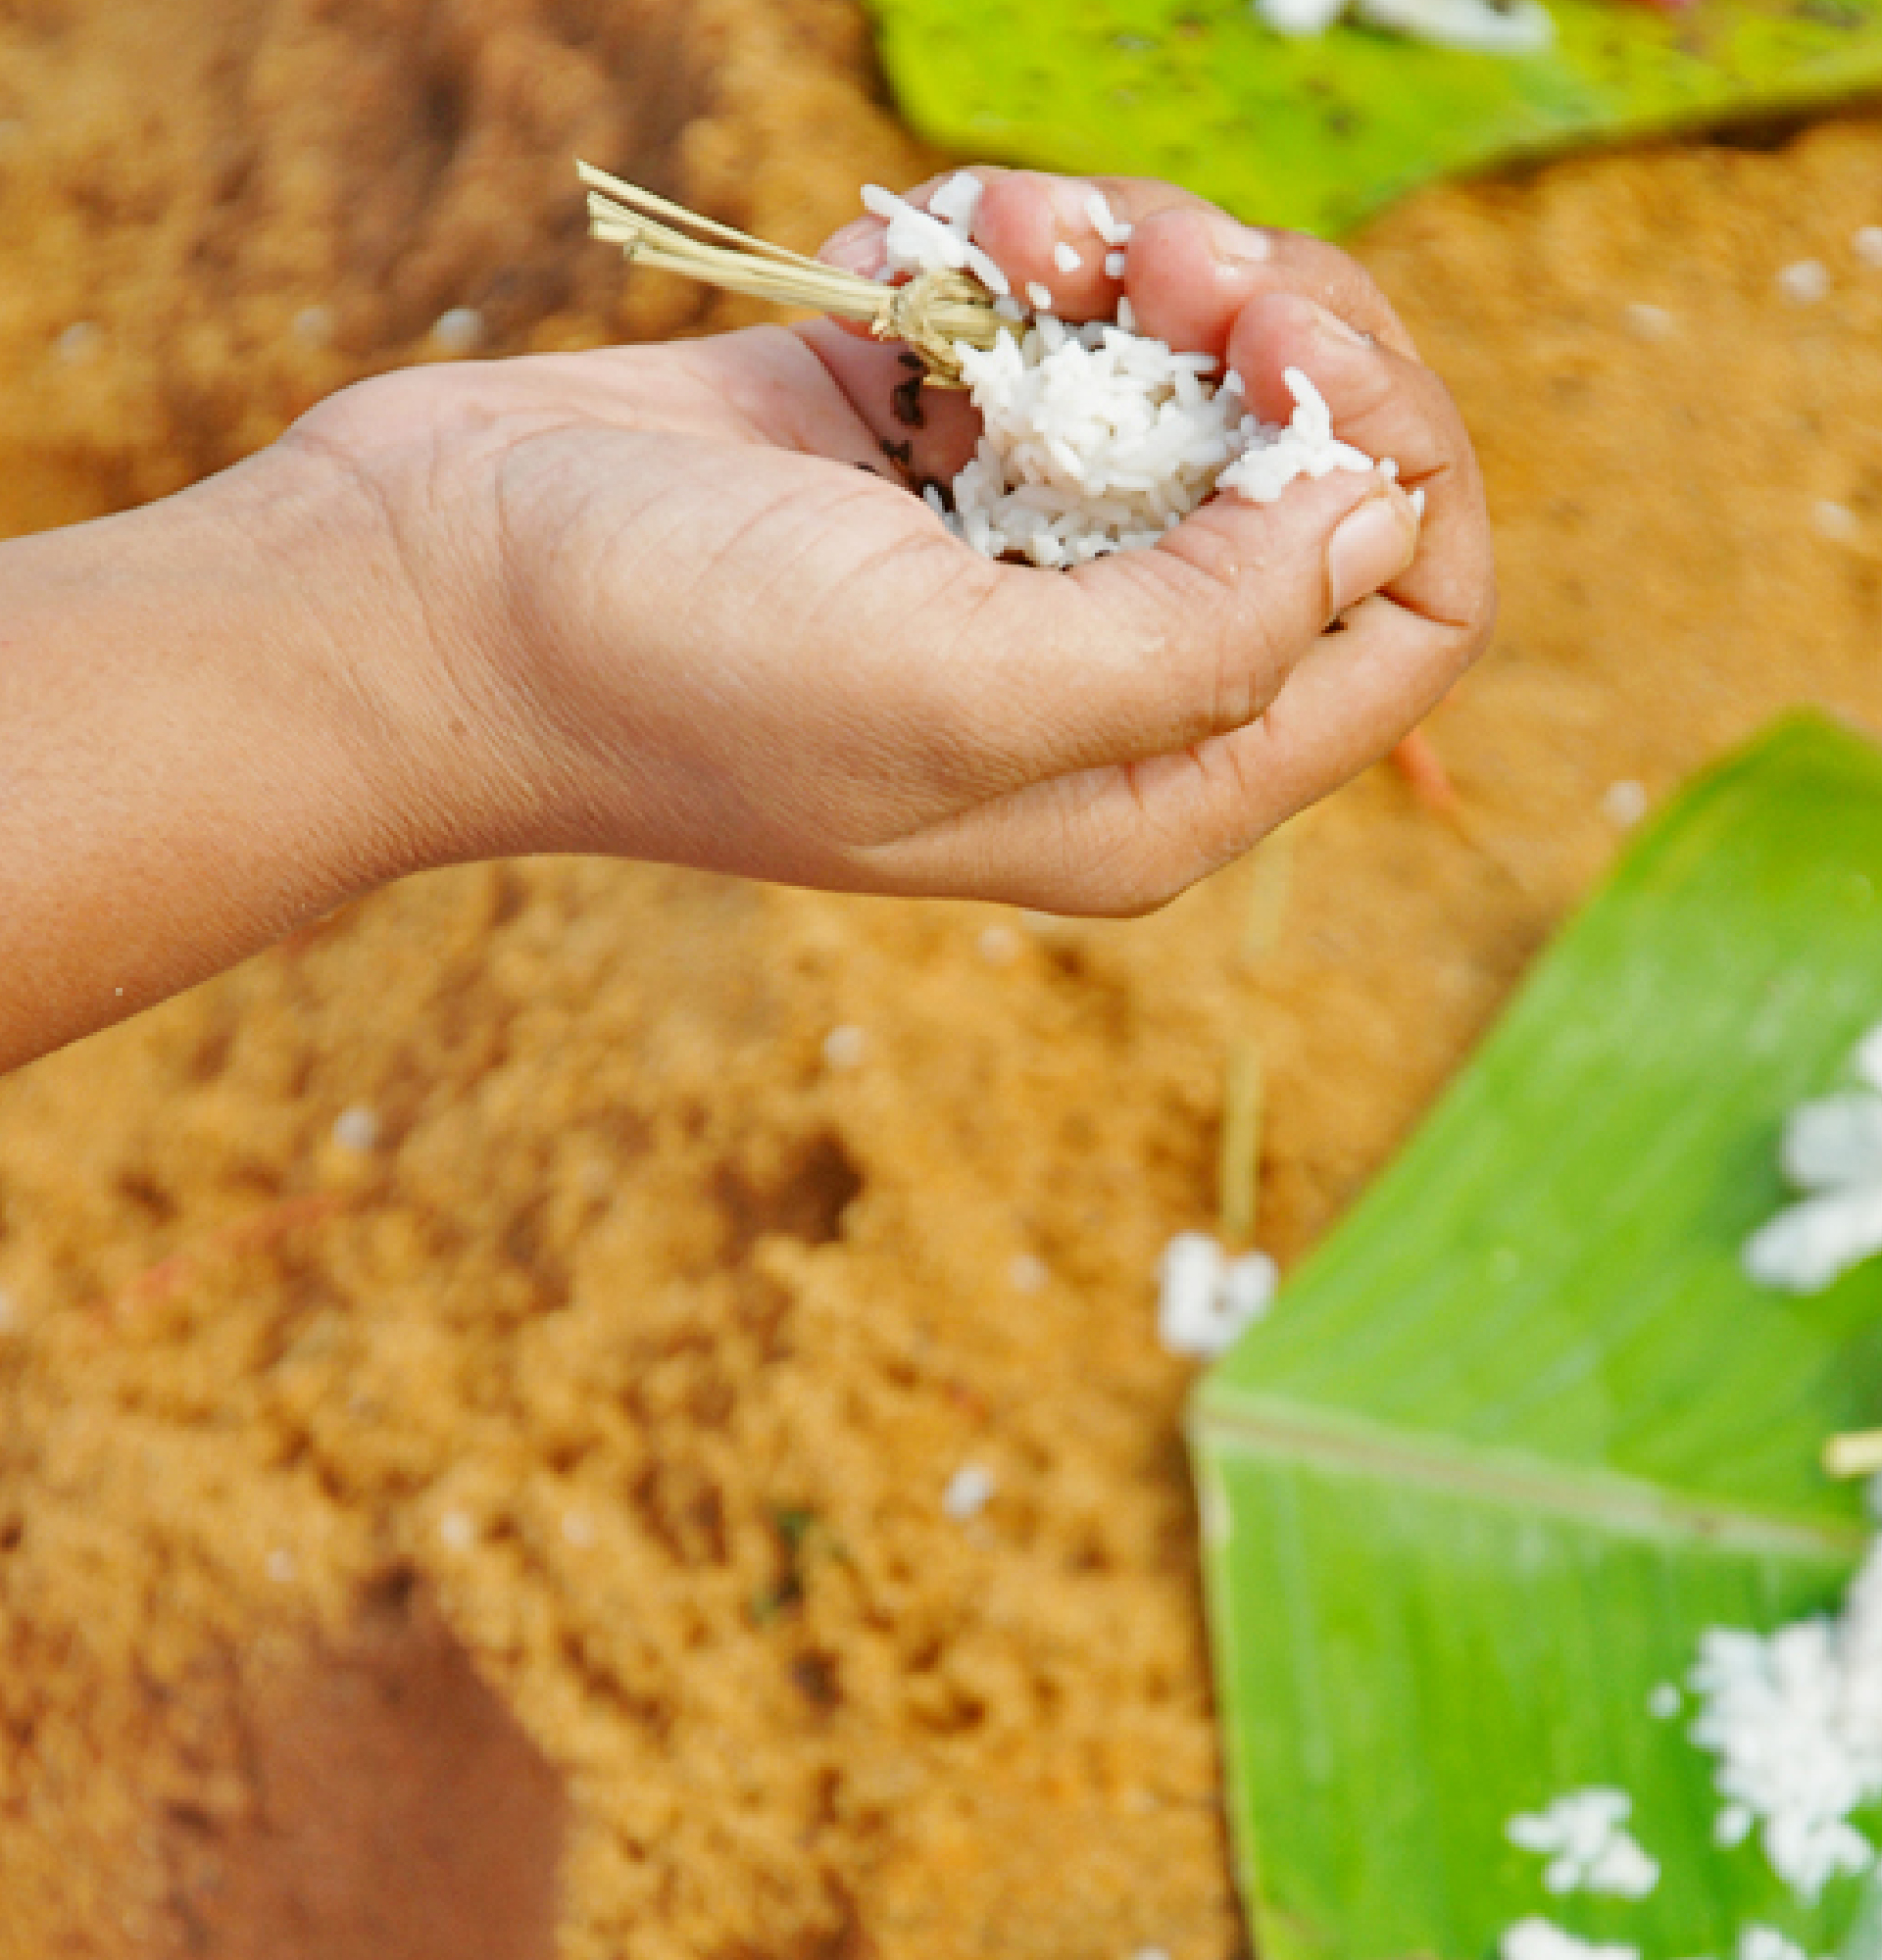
point(673, 602)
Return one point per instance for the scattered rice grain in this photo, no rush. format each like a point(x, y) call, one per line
point(457, 1530)
point(315, 327)
point(79, 342)
point(1112, 229)
point(1584, 1837)
point(1205, 1298)
point(1836, 521)
point(1650, 323)
point(843, 1047)
point(1803, 281)
point(970, 1490)
point(1028, 1273)
point(457, 331)
point(1541, 1940)
point(1624, 804)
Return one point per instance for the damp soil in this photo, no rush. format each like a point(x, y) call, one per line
point(523, 1535)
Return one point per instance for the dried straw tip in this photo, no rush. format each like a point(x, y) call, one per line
point(932, 313)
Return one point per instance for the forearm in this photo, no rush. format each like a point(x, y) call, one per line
point(196, 752)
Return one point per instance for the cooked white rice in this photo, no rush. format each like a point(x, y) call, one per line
point(1205, 1299)
point(1114, 231)
point(1482, 26)
point(938, 238)
point(1584, 1837)
point(1831, 1152)
point(1540, 1939)
point(1766, 1943)
point(1794, 1719)
point(1095, 438)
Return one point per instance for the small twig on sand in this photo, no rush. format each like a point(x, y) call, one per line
point(260, 1229)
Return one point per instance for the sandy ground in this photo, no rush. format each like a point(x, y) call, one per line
point(517, 1528)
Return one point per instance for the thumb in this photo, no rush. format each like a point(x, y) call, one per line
point(1201, 633)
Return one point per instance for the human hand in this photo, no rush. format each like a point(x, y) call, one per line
point(673, 601)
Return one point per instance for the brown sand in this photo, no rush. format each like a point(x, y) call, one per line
point(588, 1433)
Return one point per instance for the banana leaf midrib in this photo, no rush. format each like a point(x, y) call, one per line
point(1498, 1475)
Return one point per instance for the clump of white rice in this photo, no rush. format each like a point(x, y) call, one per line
point(1830, 1151)
point(939, 238)
point(1766, 1943)
point(1482, 26)
point(1584, 1837)
point(1541, 1940)
point(1096, 438)
point(1794, 1719)
point(1205, 1299)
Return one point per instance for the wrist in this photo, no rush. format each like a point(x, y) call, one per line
point(405, 610)
point(300, 624)
point(206, 749)
point(380, 668)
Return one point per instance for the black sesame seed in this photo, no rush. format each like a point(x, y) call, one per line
point(905, 403)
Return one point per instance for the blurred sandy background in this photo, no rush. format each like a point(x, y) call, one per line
point(549, 1463)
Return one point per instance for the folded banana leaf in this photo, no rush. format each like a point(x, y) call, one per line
point(1320, 133)
point(1522, 1428)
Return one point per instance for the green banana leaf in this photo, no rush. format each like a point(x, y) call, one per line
point(1522, 1430)
point(1317, 134)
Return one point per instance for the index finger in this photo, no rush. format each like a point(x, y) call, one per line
point(1028, 219)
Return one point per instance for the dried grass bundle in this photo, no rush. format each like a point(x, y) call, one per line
point(932, 313)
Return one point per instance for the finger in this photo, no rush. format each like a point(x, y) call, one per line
point(1046, 234)
point(1188, 269)
point(759, 385)
point(1025, 219)
point(1387, 406)
point(927, 432)
point(1189, 266)
point(1192, 271)
point(1123, 839)
point(1148, 652)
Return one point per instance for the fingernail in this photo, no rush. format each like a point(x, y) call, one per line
point(1068, 197)
point(1238, 244)
point(856, 248)
point(1371, 545)
point(1325, 324)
